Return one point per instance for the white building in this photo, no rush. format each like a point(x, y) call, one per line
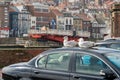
point(33, 22)
point(4, 32)
point(59, 18)
point(98, 28)
point(68, 21)
point(60, 22)
point(24, 22)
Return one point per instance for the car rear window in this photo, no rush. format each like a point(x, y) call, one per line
point(114, 58)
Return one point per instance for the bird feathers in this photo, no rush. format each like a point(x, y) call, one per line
point(69, 43)
point(81, 43)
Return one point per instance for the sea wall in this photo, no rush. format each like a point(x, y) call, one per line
point(8, 57)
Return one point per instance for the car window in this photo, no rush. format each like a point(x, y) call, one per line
point(114, 58)
point(89, 64)
point(58, 61)
point(115, 45)
point(41, 62)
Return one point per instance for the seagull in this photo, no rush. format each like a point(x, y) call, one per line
point(71, 43)
point(85, 44)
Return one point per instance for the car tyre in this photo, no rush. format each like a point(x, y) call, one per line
point(25, 79)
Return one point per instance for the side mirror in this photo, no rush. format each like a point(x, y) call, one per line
point(108, 74)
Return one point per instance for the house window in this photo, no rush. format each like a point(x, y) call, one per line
point(89, 64)
point(33, 22)
point(45, 10)
point(70, 21)
point(66, 21)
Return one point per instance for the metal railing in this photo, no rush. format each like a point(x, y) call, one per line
point(60, 32)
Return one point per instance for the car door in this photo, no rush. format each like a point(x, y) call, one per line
point(87, 67)
point(54, 66)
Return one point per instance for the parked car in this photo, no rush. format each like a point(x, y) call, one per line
point(112, 40)
point(109, 43)
point(68, 63)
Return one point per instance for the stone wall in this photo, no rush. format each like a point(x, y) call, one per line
point(7, 40)
point(8, 57)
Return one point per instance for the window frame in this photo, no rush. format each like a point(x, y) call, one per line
point(91, 54)
point(39, 60)
point(62, 69)
point(54, 52)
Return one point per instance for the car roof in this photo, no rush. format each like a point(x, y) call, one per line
point(92, 50)
point(100, 50)
point(105, 50)
point(107, 43)
point(110, 41)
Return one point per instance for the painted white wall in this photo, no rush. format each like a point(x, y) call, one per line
point(4, 33)
point(68, 19)
point(33, 21)
point(73, 0)
point(60, 22)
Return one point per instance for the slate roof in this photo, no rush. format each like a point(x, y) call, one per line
point(100, 21)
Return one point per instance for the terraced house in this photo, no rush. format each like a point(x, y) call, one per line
point(4, 20)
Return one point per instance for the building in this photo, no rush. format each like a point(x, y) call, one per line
point(68, 21)
point(24, 22)
point(4, 19)
point(19, 20)
point(77, 23)
point(59, 19)
point(98, 28)
point(33, 22)
point(85, 22)
point(13, 24)
point(115, 15)
point(99, 2)
point(42, 14)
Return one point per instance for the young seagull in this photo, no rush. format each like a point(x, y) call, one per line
point(70, 43)
point(85, 44)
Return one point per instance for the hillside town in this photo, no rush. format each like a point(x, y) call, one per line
point(18, 17)
point(78, 34)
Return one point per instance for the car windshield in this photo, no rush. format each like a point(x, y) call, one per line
point(114, 58)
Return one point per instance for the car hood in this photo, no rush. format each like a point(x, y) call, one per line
point(19, 64)
point(14, 69)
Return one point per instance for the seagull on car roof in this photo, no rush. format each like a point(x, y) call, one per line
point(85, 44)
point(69, 43)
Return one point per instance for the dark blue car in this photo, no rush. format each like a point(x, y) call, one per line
point(68, 63)
point(109, 43)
